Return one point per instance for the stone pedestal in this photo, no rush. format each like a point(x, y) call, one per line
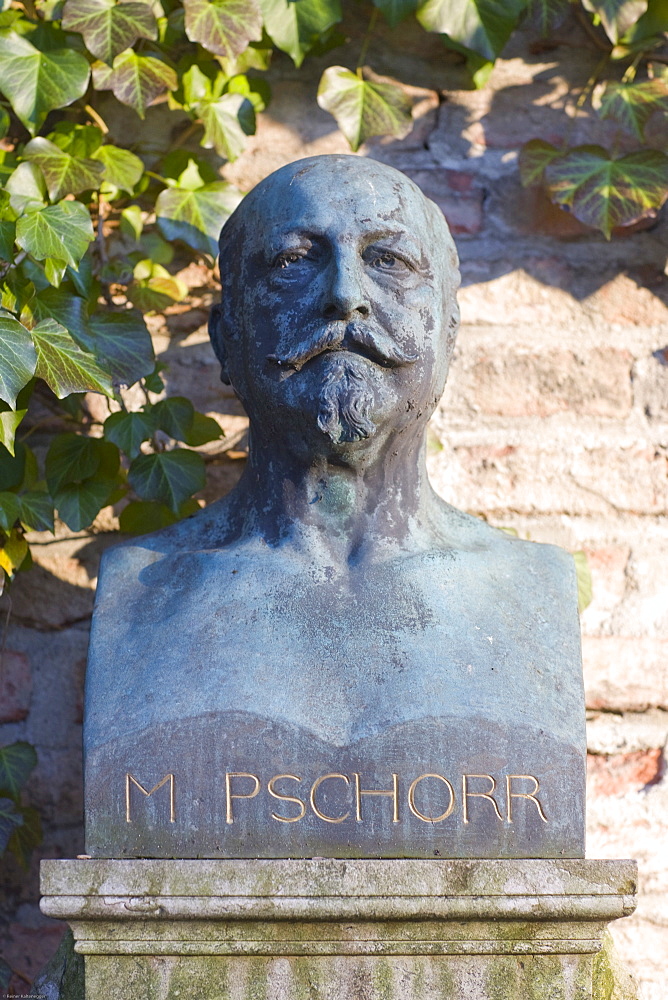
point(339, 930)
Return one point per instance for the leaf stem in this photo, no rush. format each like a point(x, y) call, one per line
point(367, 39)
point(99, 121)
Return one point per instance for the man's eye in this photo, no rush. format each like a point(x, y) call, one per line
point(286, 259)
point(387, 262)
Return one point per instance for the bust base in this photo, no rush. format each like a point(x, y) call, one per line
point(339, 930)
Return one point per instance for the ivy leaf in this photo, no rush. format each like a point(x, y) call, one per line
point(5, 122)
point(605, 192)
point(157, 290)
point(296, 28)
point(71, 311)
point(18, 359)
point(363, 108)
point(122, 169)
point(174, 416)
point(10, 510)
point(122, 345)
point(79, 504)
point(13, 552)
point(142, 516)
point(395, 11)
point(136, 80)
point(63, 365)
point(26, 837)
point(547, 15)
point(227, 122)
point(62, 231)
point(108, 28)
point(584, 581)
point(480, 26)
point(196, 217)
point(224, 27)
point(64, 174)
point(168, 476)
point(26, 188)
point(633, 104)
point(10, 818)
point(37, 82)
point(129, 430)
point(202, 430)
point(16, 762)
point(72, 458)
point(533, 159)
point(9, 423)
point(617, 16)
point(37, 511)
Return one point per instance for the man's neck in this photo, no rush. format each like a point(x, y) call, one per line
point(345, 509)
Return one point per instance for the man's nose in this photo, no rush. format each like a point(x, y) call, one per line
point(344, 296)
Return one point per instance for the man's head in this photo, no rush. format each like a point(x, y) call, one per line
point(338, 315)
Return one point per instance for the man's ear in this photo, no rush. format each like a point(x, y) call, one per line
point(216, 324)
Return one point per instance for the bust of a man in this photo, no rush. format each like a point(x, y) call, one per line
point(331, 660)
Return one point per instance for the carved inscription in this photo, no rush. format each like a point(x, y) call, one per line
point(482, 788)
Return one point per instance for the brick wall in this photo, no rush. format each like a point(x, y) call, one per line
point(554, 422)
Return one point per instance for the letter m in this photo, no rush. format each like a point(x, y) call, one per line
point(168, 778)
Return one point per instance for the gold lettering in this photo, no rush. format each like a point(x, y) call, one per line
point(286, 798)
point(172, 805)
point(394, 795)
point(316, 785)
point(523, 795)
point(411, 799)
point(230, 795)
point(479, 795)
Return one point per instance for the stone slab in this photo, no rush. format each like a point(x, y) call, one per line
point(325, 928)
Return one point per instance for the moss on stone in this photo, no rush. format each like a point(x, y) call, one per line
point(611, 981)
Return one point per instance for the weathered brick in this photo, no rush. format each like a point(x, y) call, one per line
point(594, 383)
point(15, 686)
point(625, 672)
point(623, 772)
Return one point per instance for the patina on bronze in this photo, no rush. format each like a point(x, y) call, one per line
point(331, 661)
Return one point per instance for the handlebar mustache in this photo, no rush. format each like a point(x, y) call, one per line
point(375, 345)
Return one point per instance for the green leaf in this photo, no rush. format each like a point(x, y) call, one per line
point(37, 511)
point(63, 365)
point(109, 28)
point(633, 104)
point(395, 11)
point(227, 122)
point(122, 169)
point(10, 510)
point(132, 224)
point(26, 837)
point(77, 140)
point(10, 818)
point(584, 581)
point(196, 217)
point(18, 359)
point(224, 27)
point(546, 15)
point(7, 240)
point(16, 762)
point(26, 188)
point(616, 16)
point(157, 291)
point(174, 416)
point(5, 122)
point(168, 476)
point(122, 345)
point(534, 157)
point(363, 109)
point(78, 504)
point(129, 430)
point(64, 174)
point(71, 311)
point(63, 231)
point(605, 192)
point(136, 80)
point(202, 430)
point(651, 25)
point(37, 82)
point(481, 26)
point(9, 422)
point(296, 28)
point(142, 516)
point(54, 271)
point(72, 458)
